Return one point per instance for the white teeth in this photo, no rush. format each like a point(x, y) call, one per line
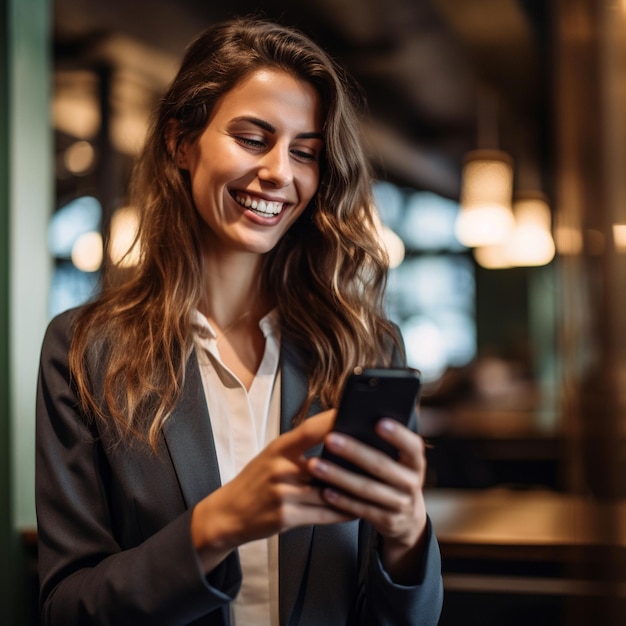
point(260, 206)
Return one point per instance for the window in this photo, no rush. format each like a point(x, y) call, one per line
point(431, 293)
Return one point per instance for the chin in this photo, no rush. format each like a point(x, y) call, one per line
point(258, 247)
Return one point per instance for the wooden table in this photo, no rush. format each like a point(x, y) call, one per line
point(535, 541)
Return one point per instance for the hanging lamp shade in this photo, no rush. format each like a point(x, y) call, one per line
point(486, 217)
point(532, 242)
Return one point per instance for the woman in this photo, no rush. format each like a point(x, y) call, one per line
point(180, 413)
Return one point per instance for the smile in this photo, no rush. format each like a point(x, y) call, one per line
point(258, 205)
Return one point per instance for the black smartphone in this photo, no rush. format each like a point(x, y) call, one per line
point(369, 395)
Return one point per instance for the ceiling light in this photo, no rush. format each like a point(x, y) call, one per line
point(485, 217)
point(494, 257)
point(531, 241)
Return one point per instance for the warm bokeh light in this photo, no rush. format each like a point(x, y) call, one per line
point(494, 257)
point(128, 132)
point(392, 243)
point(485, 217)
point(123, 250)
point(75, 107)
point(619, 236)
point(568, 240)
point(79, 157)
point(394, 246)
point(87, 252)
point(531, 242)
point(485, 225)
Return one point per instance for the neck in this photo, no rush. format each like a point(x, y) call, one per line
point(234, 292)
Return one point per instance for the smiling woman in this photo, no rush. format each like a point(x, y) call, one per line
point(179, 410)
point(260, 153)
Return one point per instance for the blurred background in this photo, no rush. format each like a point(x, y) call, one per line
point(496, 133)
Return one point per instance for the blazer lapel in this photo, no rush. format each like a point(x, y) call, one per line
point(189, 439)
point(294, 545)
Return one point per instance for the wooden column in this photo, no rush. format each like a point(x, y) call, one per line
point(589, 170)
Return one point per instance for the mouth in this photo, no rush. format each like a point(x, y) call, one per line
point(264, 208)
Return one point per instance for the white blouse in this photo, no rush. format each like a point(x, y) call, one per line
point(243, 423)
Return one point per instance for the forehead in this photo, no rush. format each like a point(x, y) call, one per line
point(277, 96)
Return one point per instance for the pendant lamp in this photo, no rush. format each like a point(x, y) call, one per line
point(530, 242)
point(485, 217)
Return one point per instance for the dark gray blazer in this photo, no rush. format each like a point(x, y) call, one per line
point(114, 524)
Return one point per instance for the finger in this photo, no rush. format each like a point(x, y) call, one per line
point(365, 488)
point(367, 458)
point(406, 525)
point(308, 506)
point(306, 435)
point(373, 462)
point(354, 506)
point(410, 445)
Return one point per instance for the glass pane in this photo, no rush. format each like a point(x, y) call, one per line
point(428, 223)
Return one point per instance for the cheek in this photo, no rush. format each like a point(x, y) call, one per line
point(219, 162)
point(208, 183)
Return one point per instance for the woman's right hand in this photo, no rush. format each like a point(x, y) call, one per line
point(271, 494)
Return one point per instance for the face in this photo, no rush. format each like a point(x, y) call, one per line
point(256, 166)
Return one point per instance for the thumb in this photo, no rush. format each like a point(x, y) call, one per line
point(311, 432)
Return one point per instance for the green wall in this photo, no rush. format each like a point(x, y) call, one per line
point(31, 205)
point(26, 184)
point(6, 534)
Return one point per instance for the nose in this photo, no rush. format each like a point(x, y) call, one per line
point(276, 167)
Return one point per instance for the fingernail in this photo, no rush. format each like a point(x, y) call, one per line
point(388, 425)
point(331, 495)
point(320, 467)
point(336, 441)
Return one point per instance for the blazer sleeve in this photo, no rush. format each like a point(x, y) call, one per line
point(382, 602)
point(86, 577)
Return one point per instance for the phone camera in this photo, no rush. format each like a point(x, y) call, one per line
point(373, 382)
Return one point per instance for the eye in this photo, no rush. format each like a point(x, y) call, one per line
point(249, 142)
point(303, 155)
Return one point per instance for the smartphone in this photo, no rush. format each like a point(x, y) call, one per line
point(369, 395)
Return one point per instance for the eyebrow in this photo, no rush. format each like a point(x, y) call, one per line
point(272, 129)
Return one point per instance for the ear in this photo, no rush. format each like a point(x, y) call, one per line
point(178, 150)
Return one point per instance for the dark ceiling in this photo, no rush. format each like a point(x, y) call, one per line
point(427, 66)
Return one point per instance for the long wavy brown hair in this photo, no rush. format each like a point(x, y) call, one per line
point(326, 275)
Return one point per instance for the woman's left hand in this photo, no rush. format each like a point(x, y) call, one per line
point(391, 498)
